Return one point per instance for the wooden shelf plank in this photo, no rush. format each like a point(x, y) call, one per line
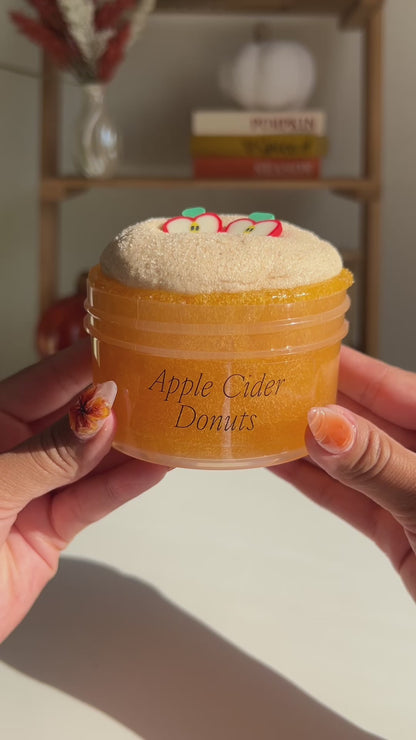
point(351, 13)
point(352, 257)
point(60, 188)
point(360, 12)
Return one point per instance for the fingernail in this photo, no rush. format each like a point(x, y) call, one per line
point(92, 407)
point(331, 429)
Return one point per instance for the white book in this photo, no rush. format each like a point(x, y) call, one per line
point(258, 123)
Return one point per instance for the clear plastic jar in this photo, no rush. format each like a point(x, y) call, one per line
point(218, 385)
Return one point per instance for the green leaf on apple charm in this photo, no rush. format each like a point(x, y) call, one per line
point(258, 216)
point(193, 212)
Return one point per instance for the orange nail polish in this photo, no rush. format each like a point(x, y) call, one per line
point(331, 429)
point(92, 407)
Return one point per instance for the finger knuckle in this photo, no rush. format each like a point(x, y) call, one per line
point(373, 461)
point(116, 493)
point(51, 455)
point(375, 386)
point(112, 493)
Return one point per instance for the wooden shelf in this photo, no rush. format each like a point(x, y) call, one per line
point(350, 13)
point(363, 14)
point(352, 258)
point(55, 189)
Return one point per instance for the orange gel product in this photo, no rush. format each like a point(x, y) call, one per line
point(221, 380)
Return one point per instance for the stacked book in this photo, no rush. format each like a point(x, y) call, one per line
point(258, 144)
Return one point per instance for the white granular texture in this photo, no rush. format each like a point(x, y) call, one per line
point(144, 256)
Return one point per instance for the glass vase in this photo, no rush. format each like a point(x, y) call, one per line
point(97, 143)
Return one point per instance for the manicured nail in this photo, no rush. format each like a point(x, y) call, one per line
point(331, 429)
point(89, 412)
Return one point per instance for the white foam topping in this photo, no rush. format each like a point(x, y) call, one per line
point(144, 256)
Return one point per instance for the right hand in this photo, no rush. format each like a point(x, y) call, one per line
point(362, 461)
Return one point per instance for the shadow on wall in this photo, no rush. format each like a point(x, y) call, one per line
point(116, 644)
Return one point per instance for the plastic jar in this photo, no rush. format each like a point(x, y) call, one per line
point(217, 385)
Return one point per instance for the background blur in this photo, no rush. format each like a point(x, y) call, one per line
point(150, 99)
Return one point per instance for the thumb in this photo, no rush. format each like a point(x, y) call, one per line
point(61, 453)
point(358, 454)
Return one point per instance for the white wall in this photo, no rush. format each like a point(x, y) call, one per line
point(171, 70)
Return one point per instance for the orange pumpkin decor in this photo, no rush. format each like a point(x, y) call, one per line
point(62, 324)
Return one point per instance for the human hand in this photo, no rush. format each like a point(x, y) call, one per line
point(362, 461)
point(54, 482)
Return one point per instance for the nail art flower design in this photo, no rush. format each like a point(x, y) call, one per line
point(196, 220)
point(257, 224)
point(193, 220)
point(92, 407)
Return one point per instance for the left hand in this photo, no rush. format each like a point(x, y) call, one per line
point(52, 483)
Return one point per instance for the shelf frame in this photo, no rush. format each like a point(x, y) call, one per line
point(49, 213)
point(55, 189)
point(371, 222)
point(349, 13)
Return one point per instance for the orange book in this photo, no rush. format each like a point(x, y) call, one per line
point(254, 167)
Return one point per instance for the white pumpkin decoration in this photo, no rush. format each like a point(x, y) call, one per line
point(270, 75)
